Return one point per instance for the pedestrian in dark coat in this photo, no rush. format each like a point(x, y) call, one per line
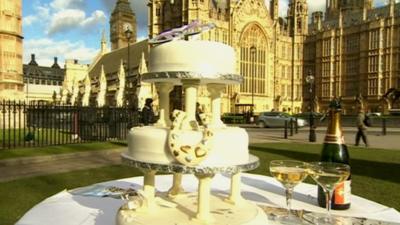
point(148, 113)
point(361, 127)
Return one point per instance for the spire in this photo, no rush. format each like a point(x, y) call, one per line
point(103, 43)
point(121, 71)
point(274, 8)
point(55, 64)
point(33, 61)
point(142, 65)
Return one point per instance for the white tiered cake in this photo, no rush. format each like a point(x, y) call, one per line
point(183, 142)
point(205, 62)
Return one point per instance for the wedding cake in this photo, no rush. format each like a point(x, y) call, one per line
point(183, 143)
point(176, 62)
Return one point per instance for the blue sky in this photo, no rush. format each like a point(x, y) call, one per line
point(72, 28)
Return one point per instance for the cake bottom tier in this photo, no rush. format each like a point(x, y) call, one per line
point(222, 212)
point(150, 144)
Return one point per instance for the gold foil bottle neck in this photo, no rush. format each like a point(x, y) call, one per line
point(334, 134)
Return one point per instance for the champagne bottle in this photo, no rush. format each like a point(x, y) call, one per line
point(335, 150)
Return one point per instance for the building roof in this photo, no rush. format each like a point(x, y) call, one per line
point(33, 70)
point(354, 17)
point(112, 60)
point(122, 6)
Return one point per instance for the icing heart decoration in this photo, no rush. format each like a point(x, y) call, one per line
point(184, 153)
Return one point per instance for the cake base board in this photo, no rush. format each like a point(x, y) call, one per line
point(222, 213)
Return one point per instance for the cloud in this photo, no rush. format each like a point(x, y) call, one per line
point(64, 15)
point(42, 13)
point(67, 4)
point(45, 49)
point(69, 19)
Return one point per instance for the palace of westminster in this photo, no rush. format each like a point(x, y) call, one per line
point(352, 51)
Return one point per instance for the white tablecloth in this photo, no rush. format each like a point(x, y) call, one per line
point(67, 209)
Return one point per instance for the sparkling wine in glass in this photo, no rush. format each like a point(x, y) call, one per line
point(289, 173)
point(328, 175)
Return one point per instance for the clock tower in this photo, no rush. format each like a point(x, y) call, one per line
point(122, 18)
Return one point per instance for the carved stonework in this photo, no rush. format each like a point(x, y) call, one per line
point(11, 40)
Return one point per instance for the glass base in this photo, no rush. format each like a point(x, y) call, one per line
point(290, 220)
point(320, 219)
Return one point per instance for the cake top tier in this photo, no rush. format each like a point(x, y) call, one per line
point(206, 61)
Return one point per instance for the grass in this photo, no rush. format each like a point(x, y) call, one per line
point(375, 176)
point(59, 149)
point(18, 196)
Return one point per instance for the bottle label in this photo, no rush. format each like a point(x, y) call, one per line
point(343, 193)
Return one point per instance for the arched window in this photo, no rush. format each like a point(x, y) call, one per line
point(253, 58)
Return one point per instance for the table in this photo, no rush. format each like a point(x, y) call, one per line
point(67, 209)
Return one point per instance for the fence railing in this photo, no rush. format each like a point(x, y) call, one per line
point(44, 124)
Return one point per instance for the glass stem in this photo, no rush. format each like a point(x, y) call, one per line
point(328, 203)
point(289, 196)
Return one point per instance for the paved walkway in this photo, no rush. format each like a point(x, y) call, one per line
point(375, 137)
point(13, 169)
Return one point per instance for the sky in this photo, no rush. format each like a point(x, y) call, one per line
point(71, 29)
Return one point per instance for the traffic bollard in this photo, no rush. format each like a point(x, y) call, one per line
point(286, 129)
point(383, 126)
point(291, 126)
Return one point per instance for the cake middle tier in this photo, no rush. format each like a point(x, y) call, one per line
point(150, 144)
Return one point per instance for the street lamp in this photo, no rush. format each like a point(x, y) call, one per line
point(128, 35)
point(253, 51)
point(310, 80)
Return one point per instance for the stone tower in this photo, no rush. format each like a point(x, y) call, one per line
point(274, 9)
point(334, 7)
point(122, 18)
point(298, 17)
point(11, 78)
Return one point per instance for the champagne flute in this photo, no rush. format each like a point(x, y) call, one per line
point(289, 173)
point(328, 175)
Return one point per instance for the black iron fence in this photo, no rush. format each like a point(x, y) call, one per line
point(43, 124)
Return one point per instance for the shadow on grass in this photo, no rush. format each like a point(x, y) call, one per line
point(373, 169)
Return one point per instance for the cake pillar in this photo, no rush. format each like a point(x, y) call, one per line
point(235, 197)
point(149, 190)
point(163, 90)
point(215, 92)
point(203, 198)
point(190, 87)
point(176, 188)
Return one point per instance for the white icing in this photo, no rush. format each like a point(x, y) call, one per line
point(201, 57)
point(150, 144)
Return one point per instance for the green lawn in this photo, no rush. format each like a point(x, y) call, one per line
point(59, 149)
point(375, 175)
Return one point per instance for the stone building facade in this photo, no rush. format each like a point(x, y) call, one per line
point(354, 53)
point(269, 49)
point(11, 78)
point(42, 83)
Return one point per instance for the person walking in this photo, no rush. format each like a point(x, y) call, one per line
point(148, 116)
point(199, 111)
point(361, 127)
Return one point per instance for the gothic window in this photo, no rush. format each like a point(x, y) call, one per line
point(374, 39)
point(372, 86)
point(158, 10)
point(253, 50)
